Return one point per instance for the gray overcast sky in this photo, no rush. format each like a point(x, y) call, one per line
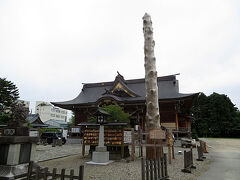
point(49, 48)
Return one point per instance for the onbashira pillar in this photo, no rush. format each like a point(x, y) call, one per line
point(152, 104)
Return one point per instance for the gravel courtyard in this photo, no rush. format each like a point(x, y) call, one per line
point(48, 152)
point(118, 170)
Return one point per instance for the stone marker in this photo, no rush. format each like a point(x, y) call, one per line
point(101, 155)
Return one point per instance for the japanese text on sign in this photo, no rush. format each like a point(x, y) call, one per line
point(157, 134)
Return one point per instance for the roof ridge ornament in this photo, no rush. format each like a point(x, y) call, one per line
point(119, 76)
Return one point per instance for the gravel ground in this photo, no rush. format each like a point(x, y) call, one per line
point(175, 168)
point(48, 152)
point(118, 170)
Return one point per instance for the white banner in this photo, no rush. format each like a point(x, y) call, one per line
point(127, 137)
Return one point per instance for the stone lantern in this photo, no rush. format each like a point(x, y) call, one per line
point(17, 149)
point(101, 155)
point(101, 116)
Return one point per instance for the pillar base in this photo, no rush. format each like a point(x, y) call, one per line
point(101, 164)
point(100, 157)
point(10, 172)
point(101, 149)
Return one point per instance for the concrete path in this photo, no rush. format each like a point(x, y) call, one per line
point(225, 160)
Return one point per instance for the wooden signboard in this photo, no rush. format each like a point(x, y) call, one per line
point(157, 134)
point(111, 137)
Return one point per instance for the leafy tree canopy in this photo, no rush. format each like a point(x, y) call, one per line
point(72, 120)
point(8, 94)
point(9, 107)
point(49, 130)
point(116, 112)
point(215, 116)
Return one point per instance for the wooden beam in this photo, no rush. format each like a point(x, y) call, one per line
point(177, 121)
point(169, 154)
point(133, 145)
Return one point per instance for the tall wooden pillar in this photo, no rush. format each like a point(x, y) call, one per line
point(176, 120)
point(77, 118)
point(177, 123)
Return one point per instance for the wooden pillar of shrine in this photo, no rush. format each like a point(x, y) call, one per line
point(177, 124)
point(176, 121)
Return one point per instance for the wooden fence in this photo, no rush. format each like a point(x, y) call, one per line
point(188, 161)
point(154, 169)
point(137, 139)
point(44, 174)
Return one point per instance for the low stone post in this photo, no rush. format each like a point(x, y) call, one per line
point(54, 143)
point(60, 142)
point(101, 155)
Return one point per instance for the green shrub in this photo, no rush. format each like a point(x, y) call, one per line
point(116, 114)
point(49, 130)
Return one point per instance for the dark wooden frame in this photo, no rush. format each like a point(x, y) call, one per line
point(155, 169)
point(44, 174)
point(110, 124)
point(188, 161)
point(139, 136)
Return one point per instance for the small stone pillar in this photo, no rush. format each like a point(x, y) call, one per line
point(101, 155)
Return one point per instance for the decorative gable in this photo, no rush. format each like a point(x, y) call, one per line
point(120, 91)
point(120, 88)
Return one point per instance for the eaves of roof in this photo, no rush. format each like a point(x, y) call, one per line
point(93, 93)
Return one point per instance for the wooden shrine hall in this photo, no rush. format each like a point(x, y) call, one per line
point(130, 94)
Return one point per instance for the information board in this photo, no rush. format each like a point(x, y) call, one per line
point(157, 134)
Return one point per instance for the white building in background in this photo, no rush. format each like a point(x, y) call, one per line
point(49, 112)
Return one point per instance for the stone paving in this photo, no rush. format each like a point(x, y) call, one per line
point(48, 152)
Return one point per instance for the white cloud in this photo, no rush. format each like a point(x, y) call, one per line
point(48, 48)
